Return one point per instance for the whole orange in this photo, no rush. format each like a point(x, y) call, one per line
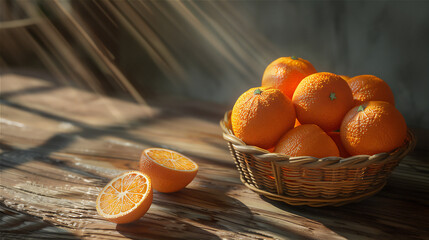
point(261, 116)
point(307, 140)
point(323, 99)
point(370, 88)
point(374, 127)
point(286, 73)
point(337, 139)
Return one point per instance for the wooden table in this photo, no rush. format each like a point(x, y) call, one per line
point(61, 145)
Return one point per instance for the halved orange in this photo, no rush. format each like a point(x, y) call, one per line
point(170, 171)
point(126, 198)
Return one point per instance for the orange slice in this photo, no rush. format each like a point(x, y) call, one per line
point(126, 198)
point(170, 171)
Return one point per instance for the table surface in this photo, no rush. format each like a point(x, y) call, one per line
point(60, 145)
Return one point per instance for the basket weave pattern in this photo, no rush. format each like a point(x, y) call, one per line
point(308, 180)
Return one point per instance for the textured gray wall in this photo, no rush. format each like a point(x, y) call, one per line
point(215, 50)
point(389, 39)
point(224, 47)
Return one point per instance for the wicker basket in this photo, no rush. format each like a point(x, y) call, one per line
point(312, 181)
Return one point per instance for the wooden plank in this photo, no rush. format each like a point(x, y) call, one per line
point(60, 146)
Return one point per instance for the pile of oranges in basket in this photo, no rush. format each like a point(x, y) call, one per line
point(298, 111)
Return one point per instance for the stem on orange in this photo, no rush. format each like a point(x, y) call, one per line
point(257, 91)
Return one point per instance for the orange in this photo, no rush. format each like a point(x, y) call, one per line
point(270, 149)
point(170, 171)
point(323, 99)
point(297, 123)
point(337, 139)
point(345, 77)
point(286, 73)
point(374, 127)
point(370, 88)
point(126, 198)
point(307, 140)
point(261, 116)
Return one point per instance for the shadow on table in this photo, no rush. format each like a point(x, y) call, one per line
point(17, 225)
point(187, 214)
point(379, 216)
point(146, 229)
point(195, 214)
point(202, 214)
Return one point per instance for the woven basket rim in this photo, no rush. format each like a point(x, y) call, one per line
point(308, 161)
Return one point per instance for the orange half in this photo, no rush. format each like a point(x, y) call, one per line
point(170, 171)
point(126, 198)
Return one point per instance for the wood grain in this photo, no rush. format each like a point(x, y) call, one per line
point(61, 145)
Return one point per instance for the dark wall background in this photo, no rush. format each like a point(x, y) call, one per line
point(228, 50)
point(215, 50)
point(389, 39)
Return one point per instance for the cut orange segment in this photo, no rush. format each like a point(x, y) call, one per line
point(126, 198)
point(170, 171)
